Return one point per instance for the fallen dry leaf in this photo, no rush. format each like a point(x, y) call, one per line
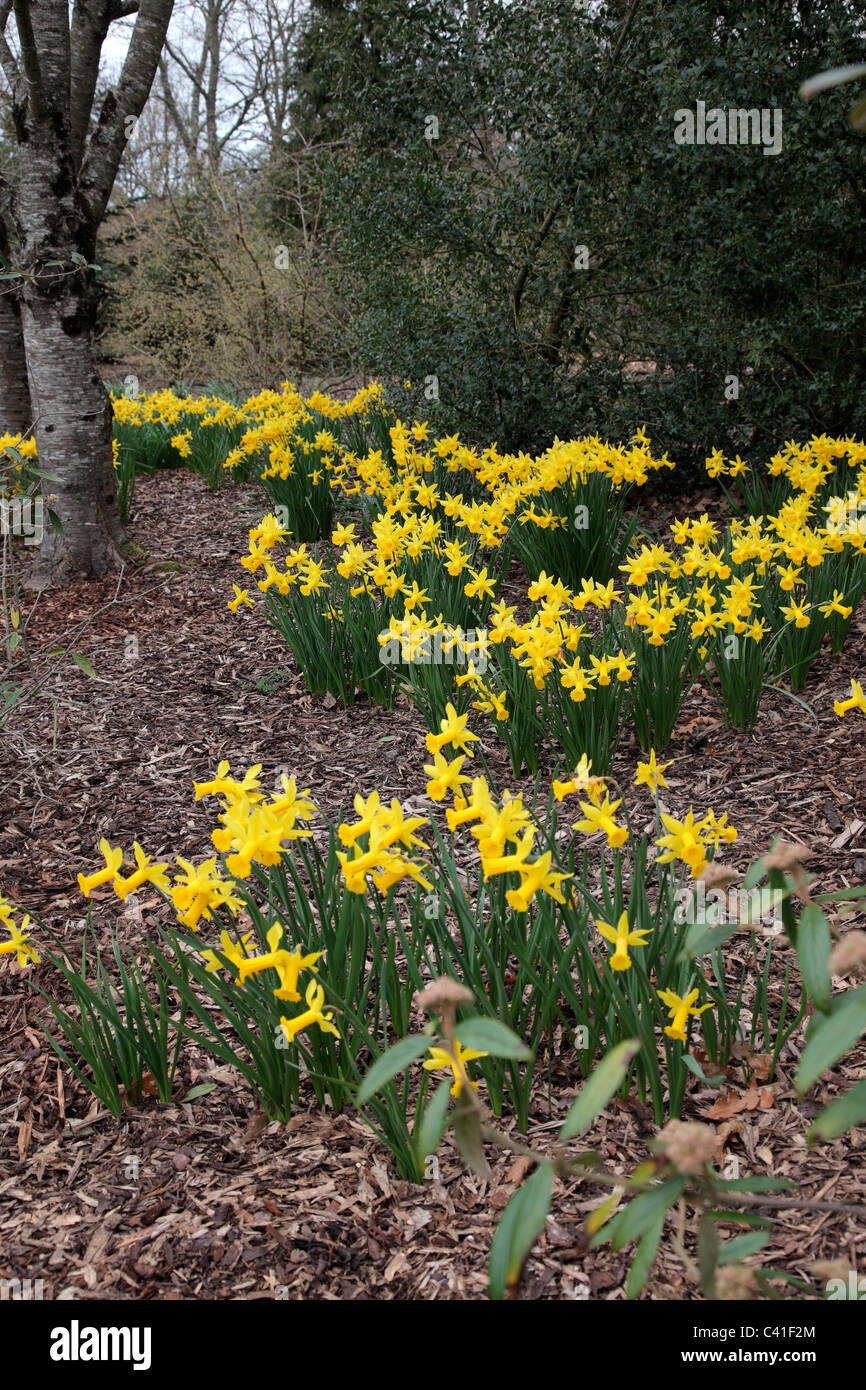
point(735, 1103)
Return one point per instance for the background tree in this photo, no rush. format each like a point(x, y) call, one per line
point(511, 215)
point(67, 155)
point(213, 256)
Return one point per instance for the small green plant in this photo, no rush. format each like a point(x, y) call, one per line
point(118, 1031)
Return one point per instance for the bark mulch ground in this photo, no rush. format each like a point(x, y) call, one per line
point(200, 1199)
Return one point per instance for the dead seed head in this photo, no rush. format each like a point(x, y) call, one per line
point(688, 1146)
point(735, 1282)
point(849, 953)
point(444, 995)
point(787, 857)
point(717, 876)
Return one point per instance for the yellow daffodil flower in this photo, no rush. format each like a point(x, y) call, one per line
point(19, 944)
point(313, 1014)
point(113, 860)
point(621, 937)
point(452, 729)
point(146, 871)
point(601, 817)
point(442, 1060)
point(650, 773)
point(857, 700)
point(680, 1011)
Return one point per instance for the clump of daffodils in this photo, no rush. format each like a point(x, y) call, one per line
point(253, 829)
point(381, 848)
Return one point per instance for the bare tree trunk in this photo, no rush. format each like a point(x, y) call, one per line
point(67, 165)
point(73, 434)
point(71, 407)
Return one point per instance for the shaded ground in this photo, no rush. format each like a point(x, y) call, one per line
point(194, 1199)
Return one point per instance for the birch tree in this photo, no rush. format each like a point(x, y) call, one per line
point(68, 146)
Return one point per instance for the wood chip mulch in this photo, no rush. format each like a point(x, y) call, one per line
point(200, 1199)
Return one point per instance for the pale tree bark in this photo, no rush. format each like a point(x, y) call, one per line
point(66, 171)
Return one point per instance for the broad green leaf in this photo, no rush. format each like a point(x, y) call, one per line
point(467, 1135)
point(606, 1079)
point(395, 1060)
point(644, 1257)
point(489, 1035)
point(695, 1067)
point(602, 1213)
point(708, 1253)
point(813, 953)
point(641, 1214)
point(768, 1272)
point(831, 1037)
point(740, 1246)
point(520, 1226)
point(842, 1114)
point(739, 1218)
point(754, 874)
point(83, 664)
point(843, 895)
point(759, 1183)
point(705, 936)
point(435, 1118)
point(203, 1090)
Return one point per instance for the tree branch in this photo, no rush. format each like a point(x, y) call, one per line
point(30, 58)
point(105, 149)
point(7, 60)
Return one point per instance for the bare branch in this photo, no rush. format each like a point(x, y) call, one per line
point(106, 146)
point(30, 58)
point(7, 60)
